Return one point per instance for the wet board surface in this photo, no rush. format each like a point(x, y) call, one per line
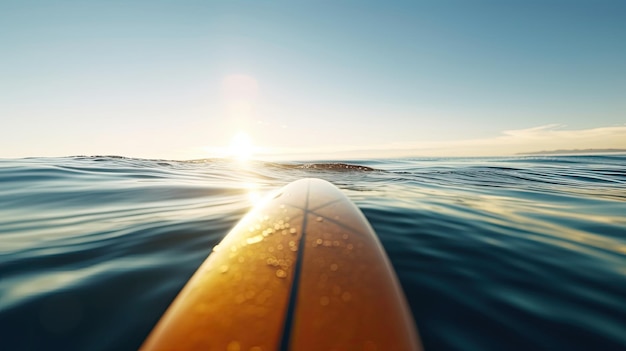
point(301, 271)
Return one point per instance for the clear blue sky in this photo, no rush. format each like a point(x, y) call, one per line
point(179, 79)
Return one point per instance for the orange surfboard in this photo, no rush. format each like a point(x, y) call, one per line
point(301, 271)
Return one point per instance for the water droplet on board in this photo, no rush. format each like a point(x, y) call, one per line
point(346, 296)
point(255, 239)
point(319, 219)
point(284, 263)
point(334, 267)
point(292, 230)
point(324, 301)
point(281, 273)
point(224, 268)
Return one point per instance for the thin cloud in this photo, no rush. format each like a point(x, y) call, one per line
point(509, 142)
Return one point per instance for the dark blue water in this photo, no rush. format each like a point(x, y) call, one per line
point(524, 253)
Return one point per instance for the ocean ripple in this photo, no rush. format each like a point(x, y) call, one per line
point(493, 253)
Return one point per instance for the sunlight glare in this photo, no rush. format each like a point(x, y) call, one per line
point(241, 147)
point(254, 195)
point(240, 87)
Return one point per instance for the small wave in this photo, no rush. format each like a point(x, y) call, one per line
point(324, 166)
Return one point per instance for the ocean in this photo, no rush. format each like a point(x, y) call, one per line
point(516, 253)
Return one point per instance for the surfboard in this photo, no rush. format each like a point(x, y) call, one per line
point(303, 270)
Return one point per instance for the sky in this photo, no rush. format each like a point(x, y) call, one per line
point(310, 79)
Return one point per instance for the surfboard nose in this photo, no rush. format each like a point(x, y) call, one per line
point(301, 271)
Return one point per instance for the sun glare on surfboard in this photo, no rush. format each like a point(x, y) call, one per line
point(241, 147)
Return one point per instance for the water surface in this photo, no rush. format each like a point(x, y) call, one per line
point(523, 253)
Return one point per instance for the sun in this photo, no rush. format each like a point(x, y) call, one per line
point(241, 147)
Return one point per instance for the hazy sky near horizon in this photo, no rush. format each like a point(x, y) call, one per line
point(180, 79)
